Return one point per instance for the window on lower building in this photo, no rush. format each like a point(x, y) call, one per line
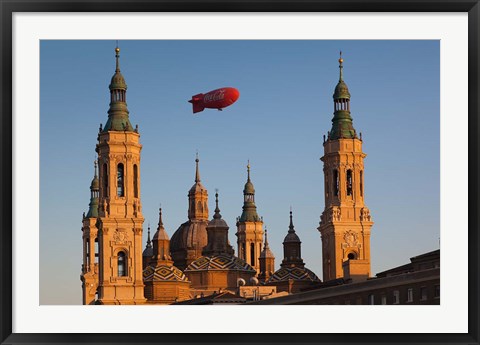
point(371, 299)
point(410, 295)
point(423, 293)
point(396, 297)
point(384, 299)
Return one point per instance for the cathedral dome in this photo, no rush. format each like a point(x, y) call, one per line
point(294, 273)
point(163, 273)
point(189, 235)
point(220, 262)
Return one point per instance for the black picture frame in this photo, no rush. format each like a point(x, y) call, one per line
point(9, 7)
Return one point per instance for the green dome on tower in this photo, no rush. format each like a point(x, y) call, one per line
point(342, 126)
point(249, 213)
point(118, 119)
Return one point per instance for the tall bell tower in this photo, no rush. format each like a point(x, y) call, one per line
point(249, 227)
point(120, 218)
point(345, 223)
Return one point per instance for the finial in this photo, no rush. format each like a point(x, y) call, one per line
point(160, 221)
point(266, 239)
point(291, 221)
point(149, 242)
point(217, 214)
point(95, 164)
point(117, 56)
point(197, 173)
point(341, 66)
point(248, 169)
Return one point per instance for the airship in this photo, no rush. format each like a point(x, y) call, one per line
point(216, 99)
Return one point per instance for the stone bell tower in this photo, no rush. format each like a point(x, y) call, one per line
point(120, 219)
point(249, 227)
point(345, 223)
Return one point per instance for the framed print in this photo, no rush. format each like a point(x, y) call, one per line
point(211, 187)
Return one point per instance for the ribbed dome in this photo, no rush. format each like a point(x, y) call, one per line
point(118, 82)
point(163, 273)
point(220, 262)
point(95, 185)
point(341, 91)
point(148, 252)
point(295, 273)
point(190, 235)
point(249, 189)
point(291, 237)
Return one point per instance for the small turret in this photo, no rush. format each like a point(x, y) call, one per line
point(342, 127)
point(118, 119)
point(249, 213)
point(94, 194)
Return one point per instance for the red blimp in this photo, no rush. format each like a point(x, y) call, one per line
point(216, 99)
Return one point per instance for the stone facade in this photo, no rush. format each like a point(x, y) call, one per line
point(345, 223)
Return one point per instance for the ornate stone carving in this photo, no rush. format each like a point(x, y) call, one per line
point(336, 214)
point(365, 215)
point(120, 236)
point(350, 238)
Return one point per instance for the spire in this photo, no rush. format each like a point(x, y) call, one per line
point(117, 57)
point(160, 221)
point(342, 127)
point(291, 235)
point(197, 172)
point(118, 119)
point(292, 247)
point(266, 252)
point(341, 67)
point(249, 213)
point(94, 194)
point(290, 227)
point(217, 214)
point(197, 198)
point(149, 242)
point(161, 242)
point(217, 233)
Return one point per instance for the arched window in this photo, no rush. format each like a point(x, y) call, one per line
point(96, 250)
point(120, 180)
point(361, 183)
point(252, 254)
point(351, 256)
point(105, 180)
point(335, 182)
point(122, 266)
point(135, 181)
point(349, 182)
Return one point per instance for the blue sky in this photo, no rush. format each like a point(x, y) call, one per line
point(285, 108)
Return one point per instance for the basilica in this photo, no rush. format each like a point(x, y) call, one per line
point(196, 264)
